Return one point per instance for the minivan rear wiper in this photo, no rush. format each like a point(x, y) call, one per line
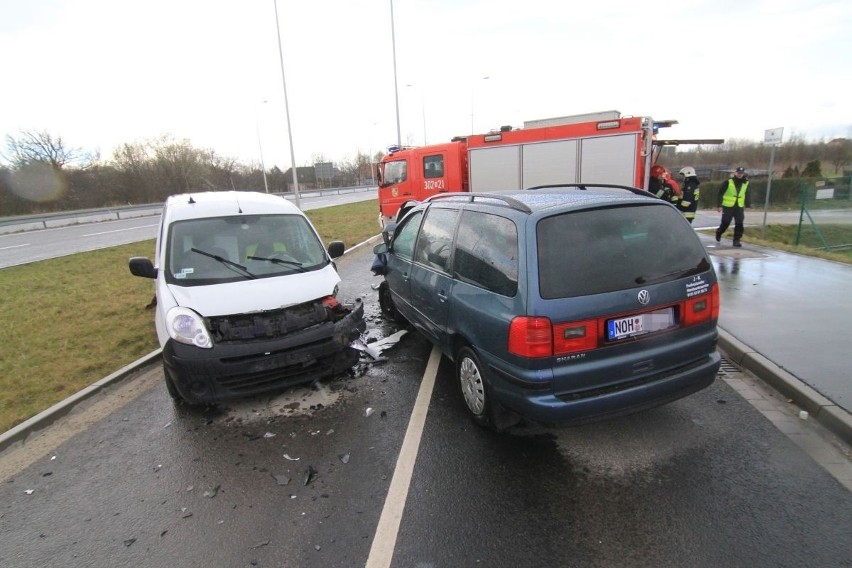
point(229, 263)
point(700, 267)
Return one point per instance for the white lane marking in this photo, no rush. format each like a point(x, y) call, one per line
point(15, 246)
point(384, 542)
point(119, 230)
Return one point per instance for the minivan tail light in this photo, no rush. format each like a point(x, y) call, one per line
point(575, 336)
point(702, 308)
point(531, 337)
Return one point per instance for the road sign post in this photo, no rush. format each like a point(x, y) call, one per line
point(773, 137)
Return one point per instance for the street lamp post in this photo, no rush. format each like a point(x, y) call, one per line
point(395, 81)
point(260, 147)
point(287, 110)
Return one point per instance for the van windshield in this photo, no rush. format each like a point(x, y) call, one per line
point(227, 249)
point(621, 248)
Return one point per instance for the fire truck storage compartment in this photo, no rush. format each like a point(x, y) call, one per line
point(609, 159)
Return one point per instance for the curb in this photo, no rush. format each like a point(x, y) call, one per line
point(47, 417)
point(828, 414)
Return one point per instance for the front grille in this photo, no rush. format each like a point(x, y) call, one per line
point(272, 324)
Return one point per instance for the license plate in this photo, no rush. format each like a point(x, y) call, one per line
point(639, 324)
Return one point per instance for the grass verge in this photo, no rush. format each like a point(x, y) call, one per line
point(70, 321)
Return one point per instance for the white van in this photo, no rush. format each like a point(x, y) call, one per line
point(246, 297)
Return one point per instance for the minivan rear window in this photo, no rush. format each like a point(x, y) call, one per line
point(592, 252)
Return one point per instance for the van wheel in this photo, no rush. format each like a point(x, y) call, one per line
point(474, 390)
point(386, 304)
point(477, 395)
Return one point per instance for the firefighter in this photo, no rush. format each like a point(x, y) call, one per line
point(732, 201)
point(690, 192)
point(663, 186)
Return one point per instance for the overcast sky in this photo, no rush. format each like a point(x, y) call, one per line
point(101, 73)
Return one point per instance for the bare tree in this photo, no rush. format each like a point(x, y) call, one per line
point(839, 153)
point(41, 147)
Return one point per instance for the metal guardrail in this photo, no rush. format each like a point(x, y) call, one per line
point(22, 223)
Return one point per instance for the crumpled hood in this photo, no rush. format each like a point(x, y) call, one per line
point(247, 296)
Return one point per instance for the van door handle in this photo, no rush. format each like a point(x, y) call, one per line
point(442, 296)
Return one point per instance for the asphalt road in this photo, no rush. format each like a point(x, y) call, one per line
point(34, 245)
point(308, 478)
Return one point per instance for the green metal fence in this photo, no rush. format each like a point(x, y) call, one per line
point(825, 214)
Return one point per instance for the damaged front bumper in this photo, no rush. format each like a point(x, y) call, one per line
point(260, 353)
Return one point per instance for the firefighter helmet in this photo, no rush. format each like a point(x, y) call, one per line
point(687, 172)
point(658, 171)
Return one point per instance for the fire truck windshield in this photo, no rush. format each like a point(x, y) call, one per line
point(394, 172)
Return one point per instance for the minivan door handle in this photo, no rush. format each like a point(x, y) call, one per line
point(442, 296)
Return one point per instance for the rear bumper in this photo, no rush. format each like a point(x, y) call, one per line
point(620, 399)
point(255, 367)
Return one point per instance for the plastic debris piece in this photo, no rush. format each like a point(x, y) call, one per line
point(167, 425)
point(291, 459)
point(803, 414)
point(282, 479)
point(330, 432)
point(317, 547)
point(129, 541)
point(52, 458)
point(389, 341)
point(269, 435)
point(344, 457)
point(310, 474)
point(368, 412)
point(190, 488)
point(212, 492)
point(29, 491)
point(368, 349)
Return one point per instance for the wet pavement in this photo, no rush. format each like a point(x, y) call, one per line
point(792, 309)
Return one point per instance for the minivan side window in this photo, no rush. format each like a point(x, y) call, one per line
point(436, 239)
point(487, 252)
point(404, 237)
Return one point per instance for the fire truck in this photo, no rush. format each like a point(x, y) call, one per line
point(603, 147)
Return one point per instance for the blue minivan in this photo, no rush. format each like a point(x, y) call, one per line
point(560, 304)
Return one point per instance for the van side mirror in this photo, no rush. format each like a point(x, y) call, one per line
point(141, 266)
point(335, 249)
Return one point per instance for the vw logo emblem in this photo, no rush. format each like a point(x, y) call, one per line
point(644, 297)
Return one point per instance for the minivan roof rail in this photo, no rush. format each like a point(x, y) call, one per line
point(471, 197)
point(584, 186)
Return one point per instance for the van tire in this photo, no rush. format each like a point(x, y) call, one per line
point(387, 306)
point(478, 396)
point(475, 392)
